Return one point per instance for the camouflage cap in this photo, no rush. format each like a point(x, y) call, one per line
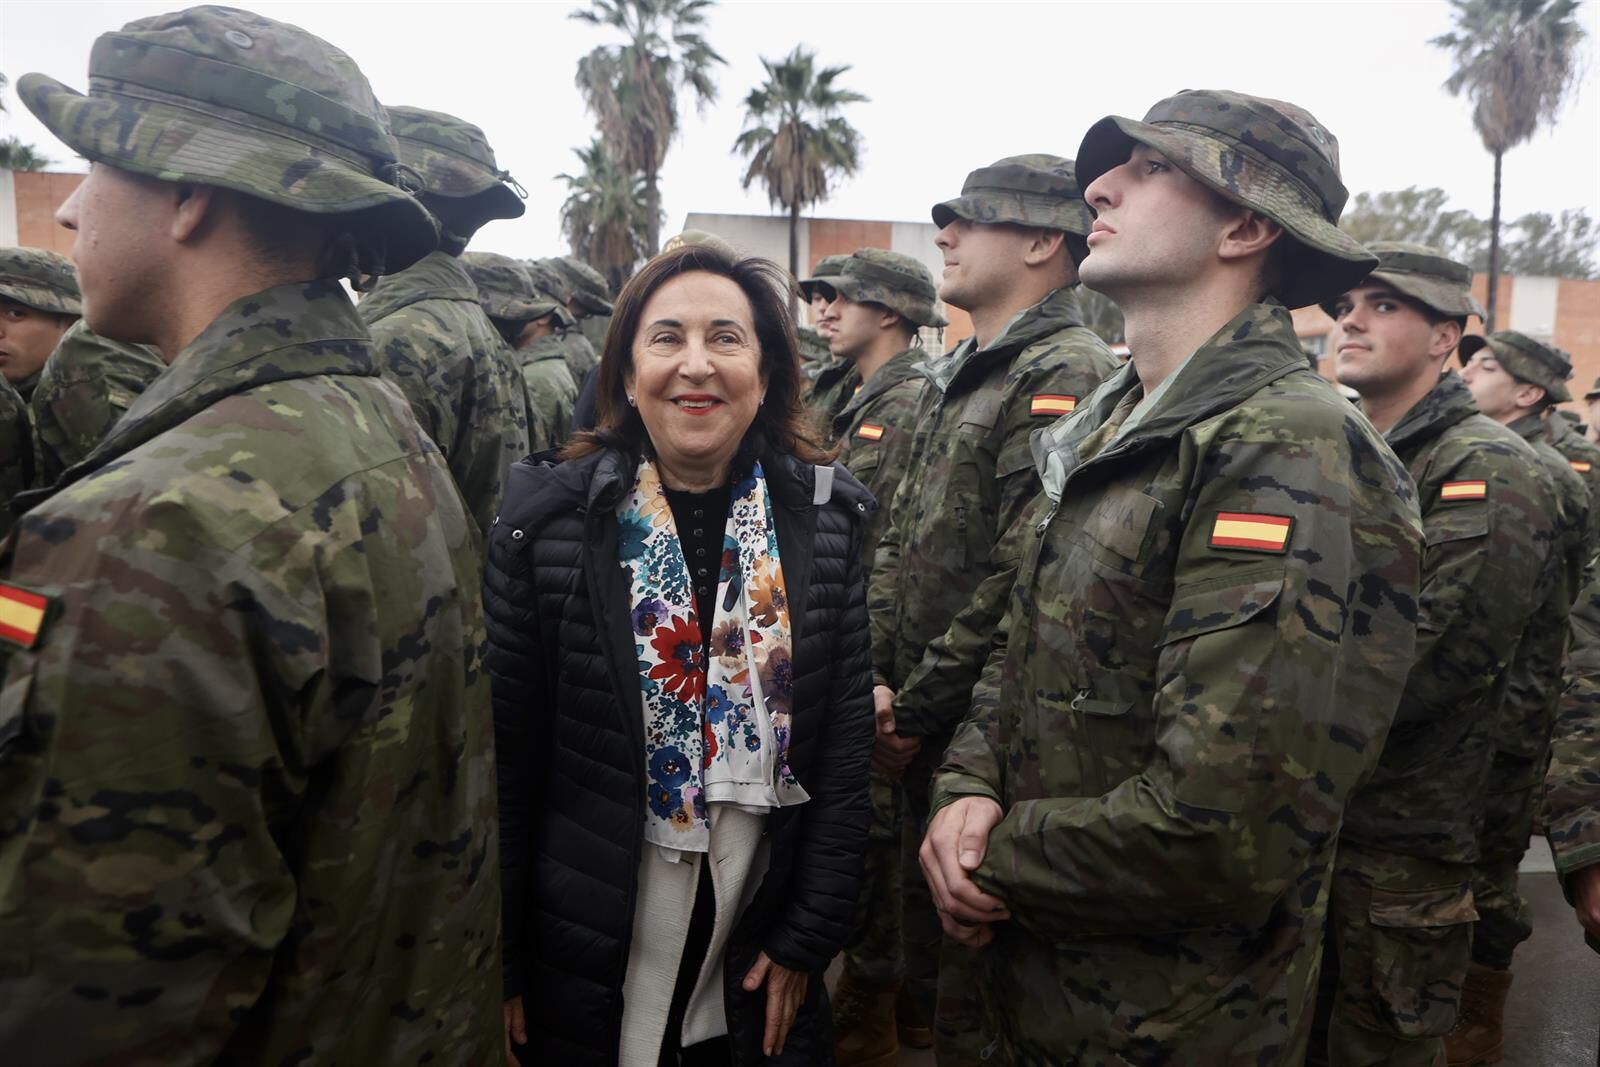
point(1266, 155)
point(1032, 190)
point(504, 288)
point(827, 269)
point(229, 98)
point(1524, 359)
point(40, 279)
point(897, 281)
point(1425, 275)
point(550, 282)
point(587, 285)
point(454, 160)
point(698, 237)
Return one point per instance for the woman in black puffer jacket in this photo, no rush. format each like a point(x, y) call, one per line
point(683, 806)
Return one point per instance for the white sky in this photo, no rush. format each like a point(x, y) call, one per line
point(954, 84)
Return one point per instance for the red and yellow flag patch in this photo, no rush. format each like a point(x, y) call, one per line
point(1053, 404)
point(21, 615)
point(1464, 491)
point(871, 431)
point(1250, 532)
point(1582, 466)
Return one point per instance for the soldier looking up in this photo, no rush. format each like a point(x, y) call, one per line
point(249, 786)
point(1403, 875)
point(433, 338)
point(1207, 636)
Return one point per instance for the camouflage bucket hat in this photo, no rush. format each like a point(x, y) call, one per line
point(587, 285)
point(1425, 275)
point(550, 282)
point(454, 160)
point(822, 275)
point(1265, 155)
point(898, 282)
point(1032, 190)
point(504, 288)
point(232, 99)
point(40, 279)
point(1524, 359)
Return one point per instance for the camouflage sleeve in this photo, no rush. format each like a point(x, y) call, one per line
point(1262, 722)
point(974, 763)
point(401, 341)
point(16, 451)
point(70, 416)
point(1572, 784)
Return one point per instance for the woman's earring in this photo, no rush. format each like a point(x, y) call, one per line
point(760, 402)
point(633, 401)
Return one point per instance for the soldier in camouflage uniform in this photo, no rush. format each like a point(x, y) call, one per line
point(16, 451)
point(1572, 788)
point(86, 385)
point(1581, 454)
point(39, 299)
point(1011, 240)
point(1400, 918)
point(550, 281)
point(590, 302)
point(528, 322)
point(1208, 633)
point(833, 381)
point(881, 299)
point(248, 780)
point(1515, 380)
point(435, 341)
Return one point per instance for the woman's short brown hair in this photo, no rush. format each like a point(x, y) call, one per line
point(782, 423)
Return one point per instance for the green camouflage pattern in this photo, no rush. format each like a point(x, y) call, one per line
point(1173, 727)
point(1029, 190)
point(84, 387)
point(1571, 802)
point(1400, 921)
point(249, 774)
point(434, 341)
point(16, 451)
point(40, 279)
point(453, 159)
point(549, 393)
point(1525, 359)
point(896, 281)
point(1267, 155)
point(1424, 274)
point(831, 390)
point(505, 290)
point(586, 285)
point(1581, 454)
point(578, 353)
point(595, 328)
point(814, 351)
point(229, 98)
point(827, 268)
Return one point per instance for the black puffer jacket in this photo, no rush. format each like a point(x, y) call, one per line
point(569, 727)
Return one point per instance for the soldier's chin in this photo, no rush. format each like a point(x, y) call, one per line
point(105, 320)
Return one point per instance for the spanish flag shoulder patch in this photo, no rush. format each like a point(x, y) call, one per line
point(1249, 532)
point(1582, 466)
point(1053, 404)
point(22, 613)
point(870, 431)
point(1463, 491)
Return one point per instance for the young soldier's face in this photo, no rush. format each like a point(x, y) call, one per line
point(1381, 340)
point(982, 261)
point(27, 337)
point(121, 221)
point(1499, 394)
point(1155, 227)
point(855, 327)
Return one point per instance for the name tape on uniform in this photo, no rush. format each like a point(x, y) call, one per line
point(1249, 532)
point(1053, 404)
point(21, 615)
point(870, 430)
point(1464, 491)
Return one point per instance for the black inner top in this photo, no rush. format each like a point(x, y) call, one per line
point(702, 519)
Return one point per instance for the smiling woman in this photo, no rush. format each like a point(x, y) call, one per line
point(681, 668)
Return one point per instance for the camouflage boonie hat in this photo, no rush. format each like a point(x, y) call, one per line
point(898, 282)
point(550, 282)
point(1425, 275)
point(587, 285)
point(228, 98)
point(1266, 155)
point(1524, 359)
point(454, 160)
point(40, 279)
point(822, 275)
point(504, 288)
point(1032, 190)
point(699, 237)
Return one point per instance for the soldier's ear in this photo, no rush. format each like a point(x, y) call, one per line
point(1446, 336)
point(193, 205)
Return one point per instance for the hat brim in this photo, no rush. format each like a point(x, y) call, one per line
point(1441, 296)
point(809, 287)
point(1323, 260)
point(861, 292)
point(173, 144)
point(41, 298)
point(1018, 209)
point(593, 304)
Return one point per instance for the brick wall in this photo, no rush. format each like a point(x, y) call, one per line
point(39, 193)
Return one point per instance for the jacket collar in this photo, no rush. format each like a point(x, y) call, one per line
point(436, 276)
point(1529, 428)
point(901, 367)
point(547, 347)
point(969, 364)
point(1447, 403)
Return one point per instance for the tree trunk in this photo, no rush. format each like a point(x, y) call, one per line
point(1494, 250)
point(794, 241)
point(652, 207)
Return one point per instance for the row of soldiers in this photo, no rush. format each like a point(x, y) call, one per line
point(1212, 709)
point(1424, 742)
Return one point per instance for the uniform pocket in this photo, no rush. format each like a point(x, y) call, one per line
point(1420, 943)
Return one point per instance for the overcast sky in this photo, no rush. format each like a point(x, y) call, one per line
point(953, 85)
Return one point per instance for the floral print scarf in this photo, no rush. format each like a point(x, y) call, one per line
point(717, 732)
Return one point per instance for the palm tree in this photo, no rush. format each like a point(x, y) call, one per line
point(797, 141)
point(604, 216)
point(1515, 60)
point(632, 88)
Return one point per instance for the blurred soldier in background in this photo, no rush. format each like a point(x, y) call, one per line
point(527, 321)
point(551, 283)
point(86, 385)
point(590, 299)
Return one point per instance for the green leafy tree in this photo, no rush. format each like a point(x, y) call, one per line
point(632, 88)
point(1419, 215)
point(1560, 245)
point(795, 138)
point(14, 154)
point(1516, 61)
point(604, 215)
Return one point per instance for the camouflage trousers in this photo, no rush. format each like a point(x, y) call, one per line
point(1395, 956)
point(1504, 920)
point(874, 952)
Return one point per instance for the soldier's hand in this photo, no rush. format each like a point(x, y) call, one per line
point(891, 753)
point(955, 845)
point(1585, 886)
point(786, 991)
point(516, 1028)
